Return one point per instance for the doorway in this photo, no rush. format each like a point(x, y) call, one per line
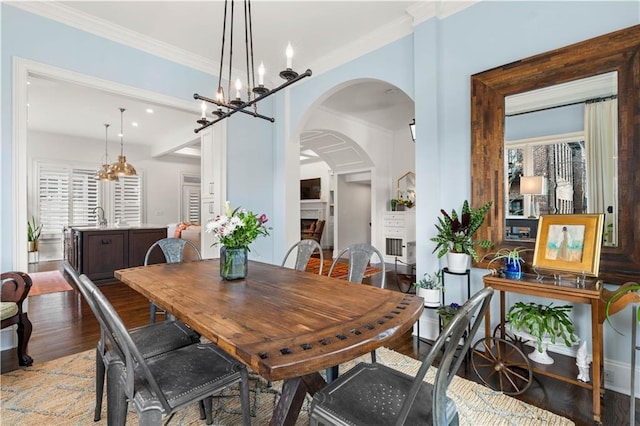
point(353, 212)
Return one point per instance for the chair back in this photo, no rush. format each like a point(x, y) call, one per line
point(305, 249)
point(121, 340)
point(447, 344)
point(15, 287)
point(359, 257)
point(173, 249)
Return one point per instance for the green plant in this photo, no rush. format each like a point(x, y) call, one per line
point(455, 232)
point(237, 228)
point(628, 291)
point(430, 281)
point(510, 255)
point(33, 231)
point(543, 321)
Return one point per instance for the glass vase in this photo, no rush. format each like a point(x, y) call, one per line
point(233, 263)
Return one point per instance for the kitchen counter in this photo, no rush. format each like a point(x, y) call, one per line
point(98, 251)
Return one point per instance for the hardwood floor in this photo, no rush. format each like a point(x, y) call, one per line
point(63, 324)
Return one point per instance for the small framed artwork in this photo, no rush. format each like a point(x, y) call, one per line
point(569, 243)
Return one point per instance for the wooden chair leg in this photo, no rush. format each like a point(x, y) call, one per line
point(24, 334)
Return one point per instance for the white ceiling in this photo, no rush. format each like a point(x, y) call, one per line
point(321, 32)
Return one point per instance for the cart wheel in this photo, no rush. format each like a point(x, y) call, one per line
point(501, 365)
point(509, 336)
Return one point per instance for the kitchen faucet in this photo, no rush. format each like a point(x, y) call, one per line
point(102, 221)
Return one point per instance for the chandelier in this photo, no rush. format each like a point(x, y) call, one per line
point(105, 173)
point(224, 105)
point(121, 167)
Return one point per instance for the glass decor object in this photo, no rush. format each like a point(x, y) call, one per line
point(233, 263)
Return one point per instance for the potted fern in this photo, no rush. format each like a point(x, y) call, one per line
point(455, 236)
point(429, 288)
point(544, 324)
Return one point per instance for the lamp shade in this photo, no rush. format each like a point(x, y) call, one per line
point(532, 185)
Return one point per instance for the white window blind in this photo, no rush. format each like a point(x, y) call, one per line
point(194, 206)
point(127, 200)
point(66, 196)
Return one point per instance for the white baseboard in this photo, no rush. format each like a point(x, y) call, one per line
point(617, 374)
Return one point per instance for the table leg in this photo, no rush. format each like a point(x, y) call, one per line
point(293, 395)
point(598, 351)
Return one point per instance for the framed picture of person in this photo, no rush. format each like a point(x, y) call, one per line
point(569, 243)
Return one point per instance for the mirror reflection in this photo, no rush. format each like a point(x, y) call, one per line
point(561, 154)
point(407, 187)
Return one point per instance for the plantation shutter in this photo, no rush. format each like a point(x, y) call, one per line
point(84, 196)
point(53, 198)
point(194, 207)
point(127, 202)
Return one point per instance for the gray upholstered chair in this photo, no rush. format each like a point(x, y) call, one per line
point(305, 248)
point(376, 394)
point(152, 339)
point(173, 250)
point(15, 288)
point(359, 257)
point(163, 384)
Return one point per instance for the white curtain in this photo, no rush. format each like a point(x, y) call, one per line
point(601, 143)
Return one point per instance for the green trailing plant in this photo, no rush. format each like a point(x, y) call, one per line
point(618, 294)
point(430, 281)
point(33, 231)
point(509, 255)
point(543, 321)
point(456, 231)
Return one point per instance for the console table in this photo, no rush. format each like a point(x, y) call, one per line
point(589, 292)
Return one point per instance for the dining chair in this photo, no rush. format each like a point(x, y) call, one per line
point(173, 250)
point(305, 248)
point(15, 289)
point(376, 394)
point(163, 384)
point(152, 339)
point(359, 257)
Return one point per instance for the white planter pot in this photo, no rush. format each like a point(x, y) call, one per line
point(458, 262)
point(431, 297)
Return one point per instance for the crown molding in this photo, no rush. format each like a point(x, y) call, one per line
point(105, 29)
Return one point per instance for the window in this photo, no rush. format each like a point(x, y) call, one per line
point(127, 200)
point(65, 196)
point(561, 160)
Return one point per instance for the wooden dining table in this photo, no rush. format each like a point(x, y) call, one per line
point(282, 323)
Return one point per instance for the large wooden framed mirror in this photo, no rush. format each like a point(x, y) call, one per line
point(618, 51)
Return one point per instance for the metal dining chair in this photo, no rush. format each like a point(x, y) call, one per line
point(376, 394)
point(359, 258)
point(163, 384)
point(152, 339)
point(305, 248)
point(173, 250)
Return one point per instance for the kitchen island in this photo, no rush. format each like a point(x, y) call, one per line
point(97, 251)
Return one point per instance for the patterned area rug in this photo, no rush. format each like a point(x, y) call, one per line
point(61, 392)
point(340, 271)
point(48, 282)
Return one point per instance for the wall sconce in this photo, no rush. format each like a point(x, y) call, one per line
point(412, 128)
point(532, 186)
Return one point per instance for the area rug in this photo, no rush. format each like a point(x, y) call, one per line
point(48, 282)
point(340, 271)
point(61, 392)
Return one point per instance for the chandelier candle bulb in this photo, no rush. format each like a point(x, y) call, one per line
point(289, 53)
point(203, 106)
point(261, 74)
point(238, 87)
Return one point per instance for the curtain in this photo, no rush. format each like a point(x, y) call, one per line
point(601, 143)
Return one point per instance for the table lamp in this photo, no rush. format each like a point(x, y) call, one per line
point(532, 186)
